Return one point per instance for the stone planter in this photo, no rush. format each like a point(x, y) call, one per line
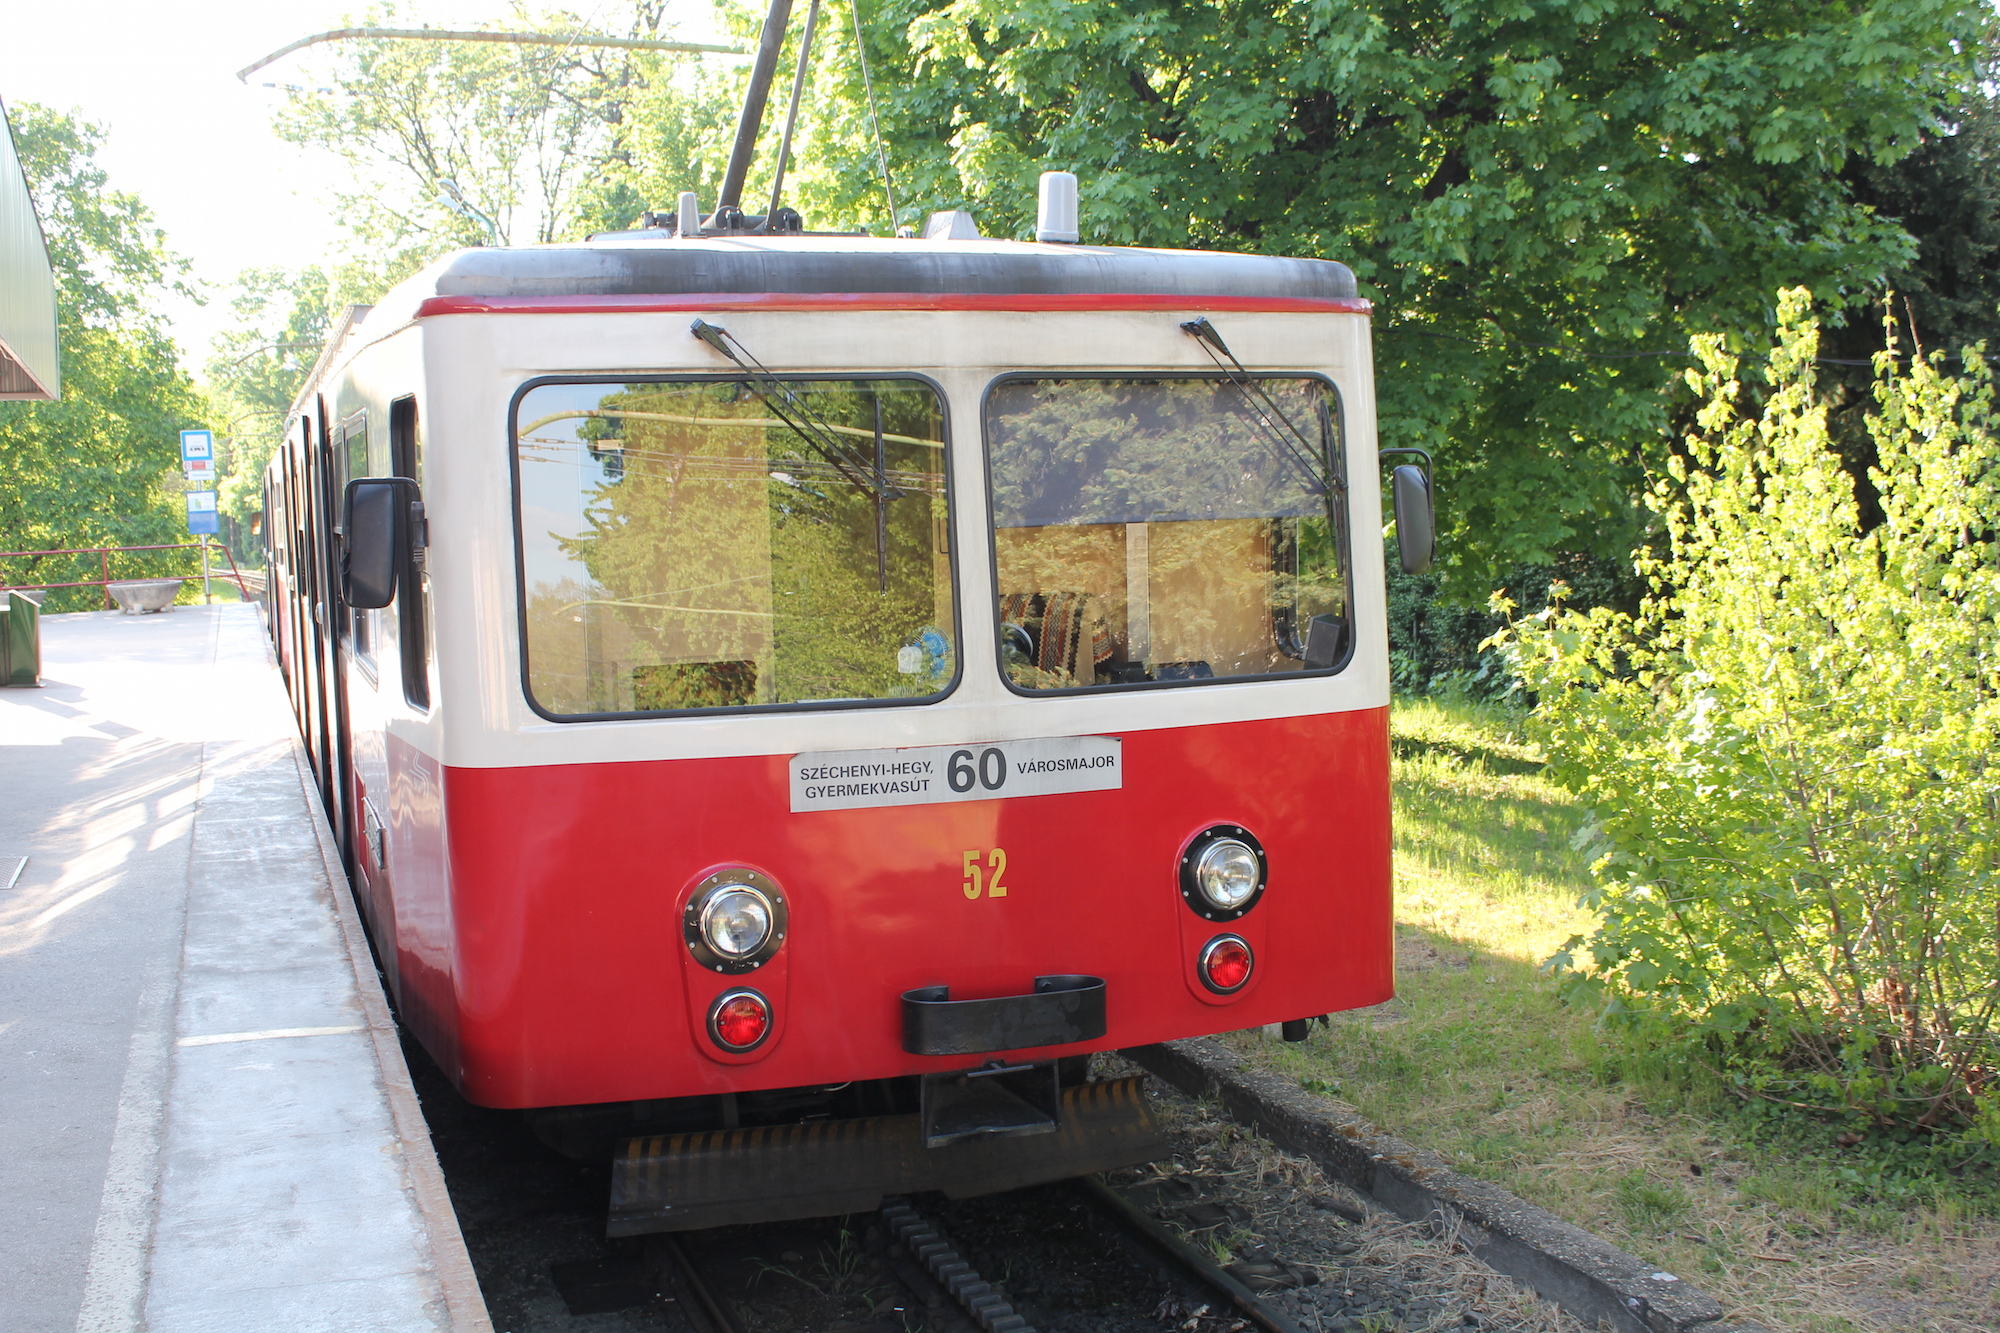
point(137, 597)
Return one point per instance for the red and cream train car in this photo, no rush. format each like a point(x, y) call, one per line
point(789, 667)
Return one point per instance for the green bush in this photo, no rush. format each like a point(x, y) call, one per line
point(1439, 646)
point(1789, 751)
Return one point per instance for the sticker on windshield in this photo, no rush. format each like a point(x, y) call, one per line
point(934, 774)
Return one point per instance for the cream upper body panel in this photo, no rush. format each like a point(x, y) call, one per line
point(475, 331)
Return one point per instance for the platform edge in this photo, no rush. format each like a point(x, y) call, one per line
point(465, 1305)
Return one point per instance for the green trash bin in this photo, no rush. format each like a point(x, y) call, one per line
point(21, 639)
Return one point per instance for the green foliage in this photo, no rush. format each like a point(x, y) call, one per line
point(1859, 1172)
point(450, 143)
point(1650, 1205)
point(453, 144)
point(1439, 644)
point(1947, 195)
point(1546, 200)
point(100, 467)
point(255, 370)
point(676, 117)
point(282, 322)
point(1533, 192)
point(1787, 749)
point(109, 259)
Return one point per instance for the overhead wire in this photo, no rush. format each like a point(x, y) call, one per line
point(874, 122)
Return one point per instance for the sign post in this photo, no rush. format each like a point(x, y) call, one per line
point(202, 522)
point(198, 464)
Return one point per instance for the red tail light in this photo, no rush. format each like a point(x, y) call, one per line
point(739, 1020)
point(1225, 964)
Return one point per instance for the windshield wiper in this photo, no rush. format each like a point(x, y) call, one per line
point(1289, 442)
point(792, 409)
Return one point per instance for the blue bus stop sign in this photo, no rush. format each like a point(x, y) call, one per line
point(201, 512)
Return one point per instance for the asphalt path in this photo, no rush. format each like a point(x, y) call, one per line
point(197, 1127)
point(99, 774)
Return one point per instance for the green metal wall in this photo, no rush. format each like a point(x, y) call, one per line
point(28, 366)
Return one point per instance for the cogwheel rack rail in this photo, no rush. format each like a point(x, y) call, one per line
point(933, 1259)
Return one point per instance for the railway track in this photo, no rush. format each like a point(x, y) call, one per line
point(1228, 1236)
point(931, 1274)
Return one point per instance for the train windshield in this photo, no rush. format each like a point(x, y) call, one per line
point(1166, 530)
point(690, 545)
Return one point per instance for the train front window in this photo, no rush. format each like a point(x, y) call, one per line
point(1166, 530)
point(691, 545)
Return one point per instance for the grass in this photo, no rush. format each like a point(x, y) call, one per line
point(221, 587)
point(1479, 1060)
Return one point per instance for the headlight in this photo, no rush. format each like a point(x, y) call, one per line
point(1227, 873)
point(734, 921)
point(1222, 872)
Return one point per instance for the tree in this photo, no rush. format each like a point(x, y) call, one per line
point(256, 369)
point(1947, 195)
point(452, 144)
point(1545, 199)
point(1789, 749)
point(100, 467)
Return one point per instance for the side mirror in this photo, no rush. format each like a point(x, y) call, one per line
point(371, 534)
point(1416, 519)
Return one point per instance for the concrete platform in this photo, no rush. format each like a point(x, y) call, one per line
point(205, 1119)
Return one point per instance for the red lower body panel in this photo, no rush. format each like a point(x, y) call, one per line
point(567, 980)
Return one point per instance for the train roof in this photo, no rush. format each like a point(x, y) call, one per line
point(632, 270)
point(631, 265)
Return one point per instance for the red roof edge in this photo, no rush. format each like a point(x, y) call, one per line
point(1024, 301)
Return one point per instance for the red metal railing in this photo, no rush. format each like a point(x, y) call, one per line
point(104, 554)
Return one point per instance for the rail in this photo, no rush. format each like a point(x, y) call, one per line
point(935, 1273)
point(104, 554)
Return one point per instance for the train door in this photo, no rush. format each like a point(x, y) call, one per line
point(368, 680)
point(275, 601)
point(386, 678)
point(324, 719)
point(333, 611)
point(298, 574)
point(308, 536)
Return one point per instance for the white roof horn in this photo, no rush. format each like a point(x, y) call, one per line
point(1055, 219)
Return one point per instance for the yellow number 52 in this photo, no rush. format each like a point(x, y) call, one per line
point(975, 883)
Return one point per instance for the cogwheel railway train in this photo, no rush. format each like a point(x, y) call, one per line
point(784, 697)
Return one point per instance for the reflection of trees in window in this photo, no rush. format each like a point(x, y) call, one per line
point(718, 559)
point(1200, 538)
point(606, 438)
point(1136, 451)
point(1307, 579)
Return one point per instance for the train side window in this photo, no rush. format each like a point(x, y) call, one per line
point(688, 545)
point(350, 460)
point(1166, 529)
point(406, 459)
